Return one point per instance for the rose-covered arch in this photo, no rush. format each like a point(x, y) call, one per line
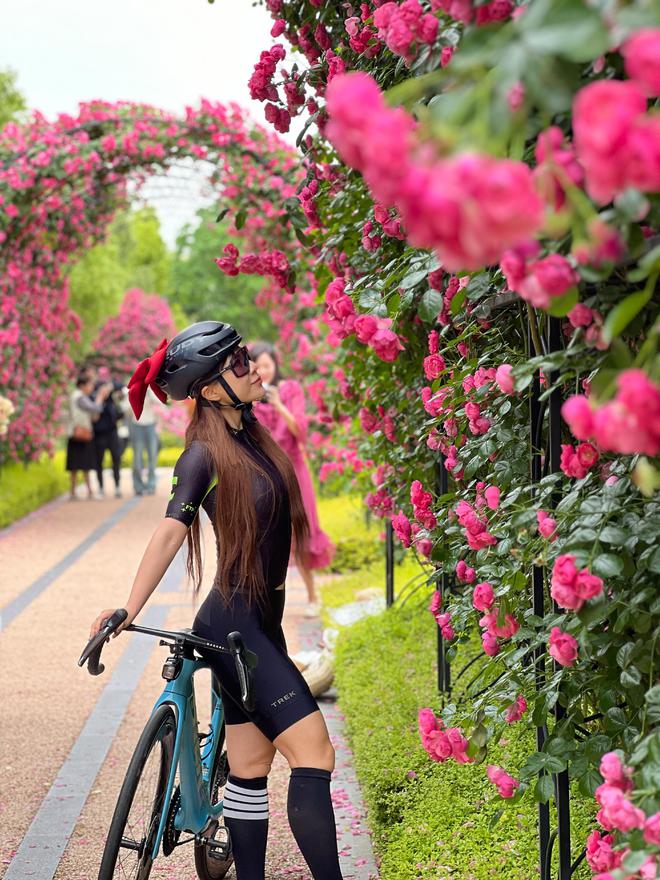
point(61, 183)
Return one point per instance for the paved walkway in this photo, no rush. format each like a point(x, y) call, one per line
point(66, 738)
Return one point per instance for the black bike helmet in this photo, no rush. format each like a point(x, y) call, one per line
point(177, 370)
point(193, 355)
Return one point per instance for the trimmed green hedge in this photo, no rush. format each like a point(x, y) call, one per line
point(25, 487)
point(430, 820)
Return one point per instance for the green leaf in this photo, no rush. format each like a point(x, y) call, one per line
point(457, 302)
point(631, 677)
point(544, 789)
point(634, 860)
point(606, 565)
point(239, 220)
point(430, 306)
point(571, 30)
point(414, 278)
point(624, 312)
point(561, 305)
point(613, 535)
point(495, 818)
point(480, 735)
point(222, 215)
point(649, 263)
point(370, 300)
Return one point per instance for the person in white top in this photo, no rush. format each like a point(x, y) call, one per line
point(144, 437)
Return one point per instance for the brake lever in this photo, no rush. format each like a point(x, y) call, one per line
point(93, 649)
point(245, 660)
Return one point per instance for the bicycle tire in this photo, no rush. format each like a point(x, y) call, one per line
point(160, 729)
point(207, 867)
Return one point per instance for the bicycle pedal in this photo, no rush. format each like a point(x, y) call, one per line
point(218, 849)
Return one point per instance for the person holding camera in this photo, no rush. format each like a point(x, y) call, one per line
point(106, 437)
point(84, 408)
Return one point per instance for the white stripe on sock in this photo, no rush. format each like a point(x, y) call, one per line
point(250, 792)
point(245, 803)
point(237, 814)
point(236, 804)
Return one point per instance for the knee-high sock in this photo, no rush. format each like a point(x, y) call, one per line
point(246, 817)
point(312, 821)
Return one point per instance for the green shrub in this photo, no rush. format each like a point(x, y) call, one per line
point(430, 820)
point(25, 487)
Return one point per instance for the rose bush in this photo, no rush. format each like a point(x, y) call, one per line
point(487, 197)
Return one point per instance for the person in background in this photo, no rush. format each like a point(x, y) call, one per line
point(83, 410)
point(105, 431)
point(144, 437)
point(282, 411)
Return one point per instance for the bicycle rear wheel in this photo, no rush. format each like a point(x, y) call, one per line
point(132, 835)
point(208, 866)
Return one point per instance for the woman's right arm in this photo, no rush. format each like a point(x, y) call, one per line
point(161, 550)
point(192, 480)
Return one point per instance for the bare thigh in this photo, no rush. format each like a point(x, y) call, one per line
point(307, 743)
point(250, 753)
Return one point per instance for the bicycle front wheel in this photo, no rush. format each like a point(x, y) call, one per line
point(141, 802)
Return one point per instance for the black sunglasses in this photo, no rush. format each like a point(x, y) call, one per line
point(240, 362)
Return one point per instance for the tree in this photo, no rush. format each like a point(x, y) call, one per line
point(132, 255)
point(12, 101)
point(203, 291)
point(142, 251)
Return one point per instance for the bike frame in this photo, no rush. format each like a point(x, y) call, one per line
point(195, 808)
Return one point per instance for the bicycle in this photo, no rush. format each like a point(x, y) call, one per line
point(171, 737)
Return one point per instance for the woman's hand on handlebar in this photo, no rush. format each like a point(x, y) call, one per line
point(97, 624)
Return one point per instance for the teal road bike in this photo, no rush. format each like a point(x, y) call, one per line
point(172, 792)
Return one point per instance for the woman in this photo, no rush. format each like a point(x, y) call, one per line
point(80, 449)
point(246, 484)
point(283, 413)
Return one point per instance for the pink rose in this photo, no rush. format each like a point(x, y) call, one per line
point(587, 454)
point(580, 315)
point(652, 830)
point(615, 773)
point(483, 596)
point(427, 721)
point(492, 495)
point(579, 416)
point(641, 52)
point(562, 647)
point(516, 710)
point(600, 855)
point(434, 365)
point(617, 812)
point(504, 379)
point(365, 327)
point(506, 785)
point(588, 585)
point(489, 644)
point(546, 524)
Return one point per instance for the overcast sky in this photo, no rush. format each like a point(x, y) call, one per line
point(164, 52)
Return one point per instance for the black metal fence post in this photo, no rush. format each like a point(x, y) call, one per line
point(389, 564)
point(444, 587)
point(562, 791)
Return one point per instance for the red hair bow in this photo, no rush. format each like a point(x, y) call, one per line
point(145, 377)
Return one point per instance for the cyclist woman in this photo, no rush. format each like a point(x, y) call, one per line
point(233, 468)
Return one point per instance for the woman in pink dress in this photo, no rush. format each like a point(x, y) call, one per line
point(282, 411)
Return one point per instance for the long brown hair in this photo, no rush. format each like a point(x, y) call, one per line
point(235, 514)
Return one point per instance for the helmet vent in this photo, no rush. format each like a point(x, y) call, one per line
point(214, 348)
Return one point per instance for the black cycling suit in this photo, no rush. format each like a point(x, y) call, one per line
point(282, 695)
